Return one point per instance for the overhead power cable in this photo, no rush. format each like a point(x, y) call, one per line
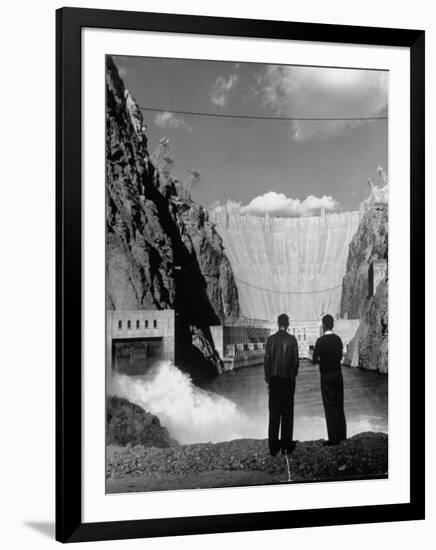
point(254, 117)
point(246, 283)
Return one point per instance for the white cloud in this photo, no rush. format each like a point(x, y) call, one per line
point(277, 204)
point(221, 89)
point(323, 92)
point(169, 120)
point(122, 71)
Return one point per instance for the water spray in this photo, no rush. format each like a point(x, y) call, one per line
point(191, 414)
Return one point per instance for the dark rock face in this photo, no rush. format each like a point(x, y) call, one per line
point(127, 423)
point(369, 347)
point(369, 243)
point(161, 249)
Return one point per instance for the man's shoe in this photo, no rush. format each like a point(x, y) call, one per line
point(288, 449)
point(329, 443)
point(274, 449)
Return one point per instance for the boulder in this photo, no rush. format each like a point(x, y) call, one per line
point(127, 423)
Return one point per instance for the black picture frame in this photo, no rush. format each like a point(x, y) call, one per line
point(69, 525)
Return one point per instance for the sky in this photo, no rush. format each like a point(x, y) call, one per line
point(290, 168)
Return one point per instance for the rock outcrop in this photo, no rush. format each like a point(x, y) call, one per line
point(369, 347)
point(162, 251)
point(369, 243)
point(127, 423)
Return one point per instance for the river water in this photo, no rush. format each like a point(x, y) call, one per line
point(365, 395)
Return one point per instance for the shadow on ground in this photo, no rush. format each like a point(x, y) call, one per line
point(46, 528)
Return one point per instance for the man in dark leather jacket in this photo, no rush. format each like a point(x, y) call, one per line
point(281, 368)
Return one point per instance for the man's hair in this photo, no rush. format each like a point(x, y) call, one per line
point(283, 320)
point(328, 322)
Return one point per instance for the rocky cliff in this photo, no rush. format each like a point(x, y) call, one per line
point(370, 242)
point(161, 249)
point(369, 347)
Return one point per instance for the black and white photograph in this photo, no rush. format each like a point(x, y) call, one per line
point(247, 274)
point(217, 280)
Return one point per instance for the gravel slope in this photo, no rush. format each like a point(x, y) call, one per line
point(242, 462)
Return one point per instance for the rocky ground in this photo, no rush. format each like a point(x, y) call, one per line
point(242, 462)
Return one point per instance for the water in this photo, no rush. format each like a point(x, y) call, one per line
point(365, 396)
point(191, 414)
point(234, 405)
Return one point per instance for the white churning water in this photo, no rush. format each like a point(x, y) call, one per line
point(235, 404)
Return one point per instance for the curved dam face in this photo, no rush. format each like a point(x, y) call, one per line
point(292, 265)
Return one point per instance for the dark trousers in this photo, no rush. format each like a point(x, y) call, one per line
point(281, 413)
point(332, 391)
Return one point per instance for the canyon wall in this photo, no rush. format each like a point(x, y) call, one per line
point(292, 265)
point(369, 347)
point(369, 243)
point(162, 252)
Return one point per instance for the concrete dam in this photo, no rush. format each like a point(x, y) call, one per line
point(292, 265)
